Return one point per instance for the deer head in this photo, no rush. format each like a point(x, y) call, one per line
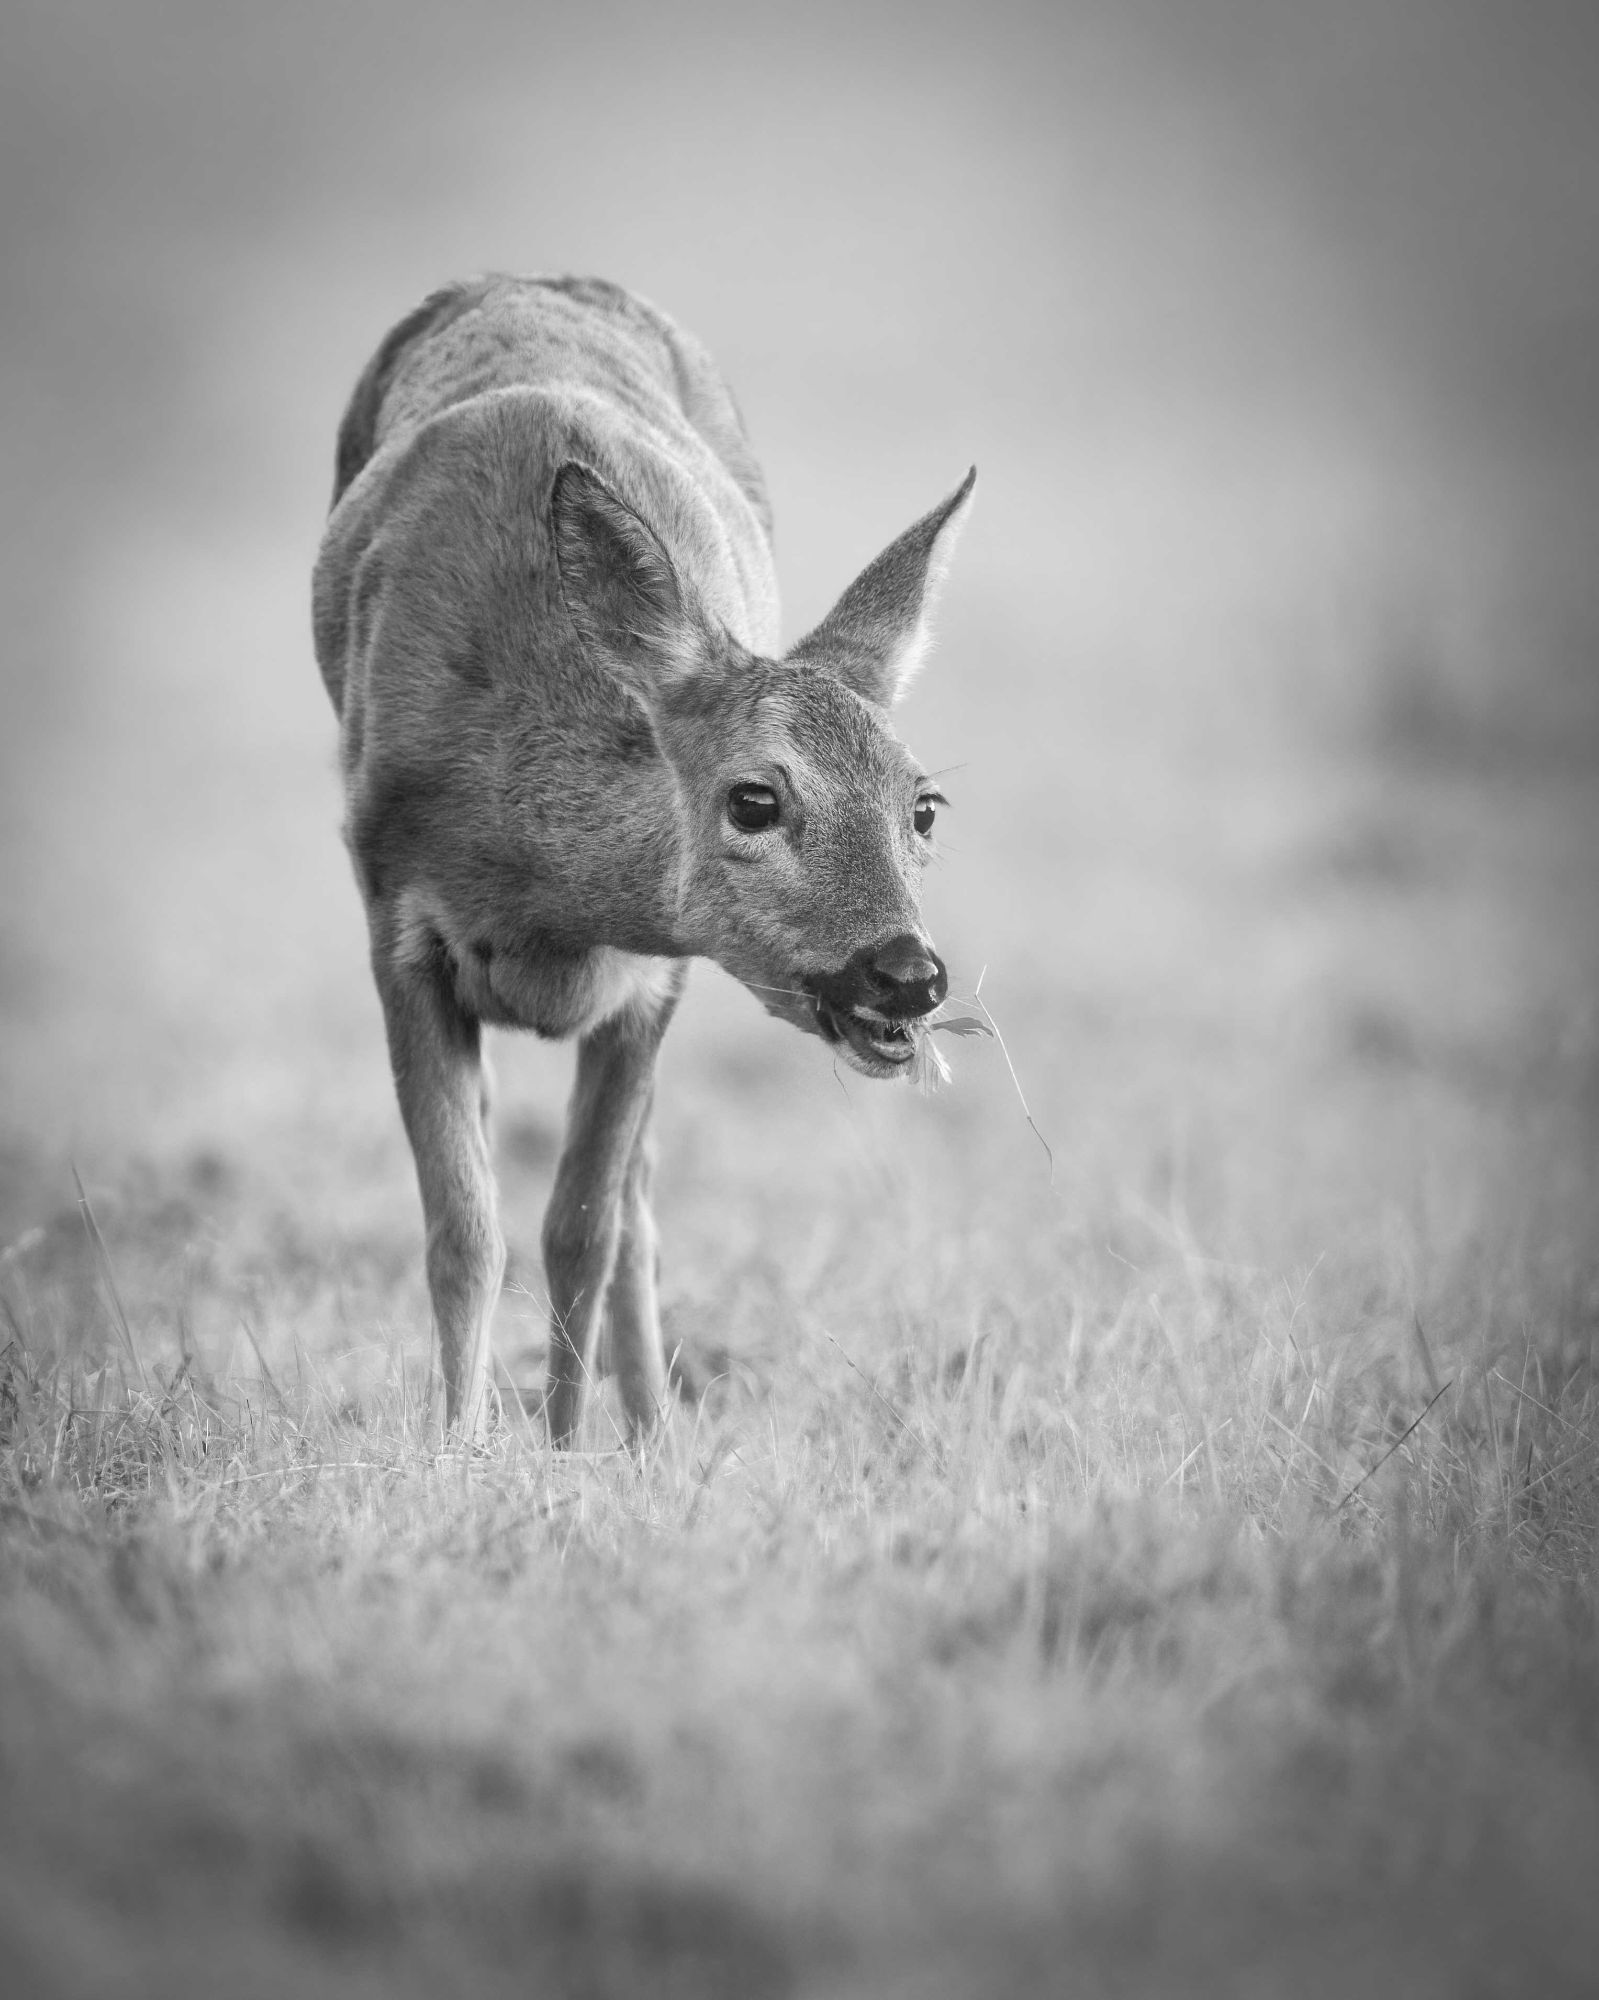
point(802, 822)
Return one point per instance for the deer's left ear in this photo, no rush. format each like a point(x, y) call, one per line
point(877, 634)
point(621, 588)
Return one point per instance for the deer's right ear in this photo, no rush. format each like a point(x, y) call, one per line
point(877, 634)
point(620, 585)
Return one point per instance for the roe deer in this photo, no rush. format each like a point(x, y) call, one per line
point(546, 614)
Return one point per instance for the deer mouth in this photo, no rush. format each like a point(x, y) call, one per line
point(872, 1042)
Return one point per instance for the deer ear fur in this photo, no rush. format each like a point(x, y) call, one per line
point(620, 585)
point(877, 634)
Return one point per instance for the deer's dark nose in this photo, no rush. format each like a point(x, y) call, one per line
point(906, 977)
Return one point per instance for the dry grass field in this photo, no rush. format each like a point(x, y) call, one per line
point(1164, 1564)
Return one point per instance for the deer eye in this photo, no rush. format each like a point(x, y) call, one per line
point(752, 808)
point(926, 812)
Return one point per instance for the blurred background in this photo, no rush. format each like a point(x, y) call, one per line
point(1267, 673)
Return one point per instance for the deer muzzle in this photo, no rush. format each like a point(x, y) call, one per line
point(874, 1003)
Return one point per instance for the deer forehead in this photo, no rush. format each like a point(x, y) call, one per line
point(827, 740)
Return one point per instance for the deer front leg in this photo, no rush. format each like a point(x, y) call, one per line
point(632, 1310)
point(594, 1197)
point(435, 1050)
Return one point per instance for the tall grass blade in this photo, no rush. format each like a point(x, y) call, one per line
point(1410, 1428)
point(108, 1278)
point(1016, 1082)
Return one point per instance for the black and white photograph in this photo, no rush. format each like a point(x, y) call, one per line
point(799, 1000)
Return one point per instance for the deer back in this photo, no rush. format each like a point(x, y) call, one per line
point(485, 750)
